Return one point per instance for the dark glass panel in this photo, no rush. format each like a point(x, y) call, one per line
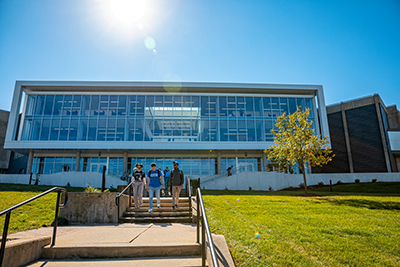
point(64, 130)
point(55, 129)
point(44, 134)
point(39, 105)
point(67, 106)
point(73, 130)
point(48, 108)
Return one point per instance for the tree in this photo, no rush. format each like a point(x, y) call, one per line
point(296, 143)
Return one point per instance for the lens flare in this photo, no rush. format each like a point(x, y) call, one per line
point(149, 43)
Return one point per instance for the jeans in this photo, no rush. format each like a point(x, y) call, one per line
point(137, 193)
point(151, 193)
point(165, 182)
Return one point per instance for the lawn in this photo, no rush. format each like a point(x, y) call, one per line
point(345, 227)
point(39, 213)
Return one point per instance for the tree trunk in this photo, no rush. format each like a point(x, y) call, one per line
point(304, 178)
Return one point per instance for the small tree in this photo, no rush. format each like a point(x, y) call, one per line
point(296, 143)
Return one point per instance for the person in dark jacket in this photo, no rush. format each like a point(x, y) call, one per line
point(175, 184)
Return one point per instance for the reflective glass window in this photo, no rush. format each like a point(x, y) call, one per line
point(213, 106)
point(223, 130)
point(39, 105)
point(300, 103)
point(92, 130)
point(27, 129)
point(205, 125)
point(213, 131)
point(223, 106)
point(30, 106)
point(76, 105)
point(44, 134)
point(233, 129)
point(268, 127)
point(249, 107)
point(242, 130)
point(308, 104)
point(275, 107)
point(267, 107)
point(292, 105)
point(35, 129)
point(258, 112)
point(205, 112)
point(120, 134)
point(64, 129)
point(85, 105)
point(251, 131)
point(58, 103)
point(104, 101)
point(283, 104)
point(140, 105)
point(55, 129)
point(139, 128)
point(94, 105)
point(259, 130)
point(231, 106)
point(48, 107)
point(122, 105)
point(132, 105)
point(131, 130)
point(111, 129)
point(73, 130)
point(67, 105)
point(101, 130)
point(240, 112)
point(113, 105)
point(83, 130)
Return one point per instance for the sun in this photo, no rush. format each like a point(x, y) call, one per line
point(128, 11)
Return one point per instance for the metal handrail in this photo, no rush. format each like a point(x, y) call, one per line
point(204, 229)
point(9, 210)
point(120, 194)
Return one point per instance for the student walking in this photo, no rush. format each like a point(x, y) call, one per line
point(166, 179)
point(154, 184)
point(175, 184)
point(138, 179)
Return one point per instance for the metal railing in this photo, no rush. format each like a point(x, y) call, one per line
point(9, 210)
point(129, 186)
point(204, 229)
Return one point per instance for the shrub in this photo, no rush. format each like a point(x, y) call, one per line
point(301, 186)
point(357, 181)
point(339, 182)
point(321, 183)
point(269, 188)
point(91, 189)
point(374, 180)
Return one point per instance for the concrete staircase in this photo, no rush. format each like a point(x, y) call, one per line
point(165, 214)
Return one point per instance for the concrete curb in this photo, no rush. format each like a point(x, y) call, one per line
point(24, 250)
point(222, 252)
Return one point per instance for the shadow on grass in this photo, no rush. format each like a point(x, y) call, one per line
point(363, 203)
point(35, 188)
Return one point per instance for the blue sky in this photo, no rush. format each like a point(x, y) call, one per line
point(351, 48)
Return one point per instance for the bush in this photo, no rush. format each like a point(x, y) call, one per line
point(357, 181)
point(339, 182)
point(269, 188)
point(301, 186)
point(321, 183)
point(374, 180)
point(91, 189)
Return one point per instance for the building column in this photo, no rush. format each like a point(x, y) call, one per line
point(347, 138)
point(383, 134)
point(219, 163)
point(264, 162)
point(30, 162)
point(78, 160)
point(125, 163)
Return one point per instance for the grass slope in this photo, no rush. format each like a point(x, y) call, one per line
point(328, 230)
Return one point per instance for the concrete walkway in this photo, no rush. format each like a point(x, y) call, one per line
point(169, 244)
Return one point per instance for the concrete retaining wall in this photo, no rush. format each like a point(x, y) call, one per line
point(24, 250)
point(78, 179)
point(90, 208)
point(278, 181)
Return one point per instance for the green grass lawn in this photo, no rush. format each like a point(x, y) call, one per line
point(345, 227)
point(36, 214)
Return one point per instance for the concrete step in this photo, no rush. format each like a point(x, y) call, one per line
point(157, 213)
point(163, 205)
point(162, 209)
point(155, 220)
point(166, 200)
point(192, 261)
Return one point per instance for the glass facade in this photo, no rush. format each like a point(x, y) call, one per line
point(155, 118)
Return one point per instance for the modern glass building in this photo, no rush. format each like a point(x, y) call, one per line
point(206, 127)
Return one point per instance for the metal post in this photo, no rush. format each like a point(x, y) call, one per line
point(198, 218)
point(203, 240)
point(330, 183)
point(53, 242)
point(4, 238)
point(103, 184)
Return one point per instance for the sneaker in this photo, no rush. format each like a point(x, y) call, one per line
point(158, 206)
point(176, 206)
point(173, 207)
point(150, 210)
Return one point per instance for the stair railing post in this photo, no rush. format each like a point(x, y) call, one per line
point(198, 217)
point(203, 242)
point(4, 238)
point(53, 242)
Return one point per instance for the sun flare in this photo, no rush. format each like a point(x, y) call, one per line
point(128, 11)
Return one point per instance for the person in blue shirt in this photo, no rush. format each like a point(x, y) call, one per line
point(154, 184)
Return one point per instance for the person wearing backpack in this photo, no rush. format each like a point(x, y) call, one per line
point(175, 184)
point(138, 179)
point(154, 184)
